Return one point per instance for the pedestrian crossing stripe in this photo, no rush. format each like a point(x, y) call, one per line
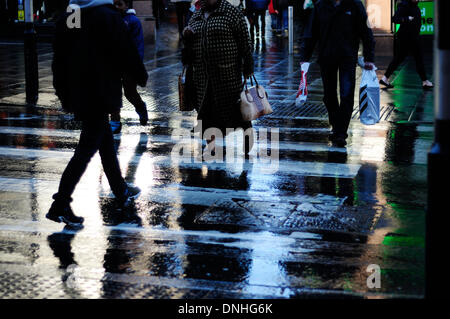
point(129, 139)
point(282, 166)
point(190, 195)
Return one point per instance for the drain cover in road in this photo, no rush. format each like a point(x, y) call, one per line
point(321, 212)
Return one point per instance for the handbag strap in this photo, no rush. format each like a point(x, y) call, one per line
point(252, 78)
point(244, 86)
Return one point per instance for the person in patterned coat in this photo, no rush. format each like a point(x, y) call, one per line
point(221, 55)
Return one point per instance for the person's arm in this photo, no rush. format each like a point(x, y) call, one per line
point(365, 33)
point(401, 15)
point(310, 37)
point(139, 37)
point(132, 62)
point(244, 44)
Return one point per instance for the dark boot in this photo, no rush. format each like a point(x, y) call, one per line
point(62, 212)
point(143, 115)
point(131, 192)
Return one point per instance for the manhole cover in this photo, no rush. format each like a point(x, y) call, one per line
point(318, 110)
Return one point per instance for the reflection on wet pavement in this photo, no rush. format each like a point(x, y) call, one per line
point(237, 229)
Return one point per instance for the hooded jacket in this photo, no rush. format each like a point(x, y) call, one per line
point(89, 62)
point(338, 31)
point(408, 29)
point(90, 3)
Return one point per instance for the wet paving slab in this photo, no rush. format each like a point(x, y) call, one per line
point(306, 224)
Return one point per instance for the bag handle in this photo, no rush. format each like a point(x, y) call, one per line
point(257, 86)
point(252, 78)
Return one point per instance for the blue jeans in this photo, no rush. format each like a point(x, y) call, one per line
point(339, 113)
point(284, 18)
point(275, 21)
point(95, 136)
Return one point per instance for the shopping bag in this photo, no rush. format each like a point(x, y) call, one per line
point(302, 93)
point(254, 101)
point(369, 96)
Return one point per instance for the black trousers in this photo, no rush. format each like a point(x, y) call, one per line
point(158, 11)
point(96, 135)
point(182, 9)
point(339, 113)
point(404, 47)
point(132, 95)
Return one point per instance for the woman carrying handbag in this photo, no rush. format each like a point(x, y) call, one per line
point(221, 56)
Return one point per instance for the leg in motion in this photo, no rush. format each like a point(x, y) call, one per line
point(347, 77)
point(132, 95)
point(328, 72)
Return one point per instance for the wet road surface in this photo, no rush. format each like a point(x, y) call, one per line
point(305, 224)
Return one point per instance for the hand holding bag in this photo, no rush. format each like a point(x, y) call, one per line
point(254, 101)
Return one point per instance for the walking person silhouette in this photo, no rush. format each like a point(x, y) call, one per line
point(89, 63)
point(408, 41)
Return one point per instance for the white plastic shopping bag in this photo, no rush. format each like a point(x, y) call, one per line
point(369, 96)
point(302, 93)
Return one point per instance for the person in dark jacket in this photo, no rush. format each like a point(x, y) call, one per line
point(89, 63)
point(221, 56)
point(258, 10)
point(338, 26)
point(134, 26)
point(408, 42)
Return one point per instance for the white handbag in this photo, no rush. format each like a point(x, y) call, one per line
point(254, 101)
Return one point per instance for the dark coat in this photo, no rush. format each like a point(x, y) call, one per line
point(90, 62)
point(408, 29)
point(257, 5)
point(338, 31)
point(221, 55)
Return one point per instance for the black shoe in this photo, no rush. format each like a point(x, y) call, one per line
point(143, 115)
point(63, 213)
point(339, 141)
point(130, 193)
point(387, 85)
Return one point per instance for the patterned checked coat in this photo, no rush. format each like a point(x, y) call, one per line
point(222, 53)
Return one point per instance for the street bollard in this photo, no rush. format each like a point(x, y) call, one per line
point(437, 215)
point(30, 54)
point(291, 29)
